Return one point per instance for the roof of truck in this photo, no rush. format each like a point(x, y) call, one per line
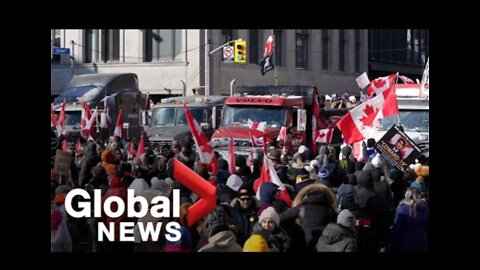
point(306, 91)
point(192, 101)
point(98, 78)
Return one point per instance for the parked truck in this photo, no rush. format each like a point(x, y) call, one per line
point(413, 116)
point(121, 93)
point(168, 122)
point(276, 105)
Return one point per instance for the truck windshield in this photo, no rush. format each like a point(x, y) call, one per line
point(166, 116)
point(412, 120)
point(238, 116)
point(197, 114)
point(73, 118)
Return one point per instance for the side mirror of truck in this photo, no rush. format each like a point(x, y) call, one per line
point(214, 117)
point(143, 119)
point(302, 120)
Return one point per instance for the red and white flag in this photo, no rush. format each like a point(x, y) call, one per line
point(90, 124)
point(360, 122)
point(205, 151)
point(231, 156)
point(405, 79)
point(425, 84)
point(324, 135)
point(53, 120)
point(251, 160)
point(282, 135)
point(61, 119)
point(381, 84)
point(257, 141)
point(86, 113)
point(270, 175)
point(119, 132)
point(269, 45)
point(256, 125)
point(141, 147)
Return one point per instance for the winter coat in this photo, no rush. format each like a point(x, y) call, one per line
point(337, 238)
point(91, 160)
point(410, 234)
point(278, 240)
point(244, 220)
point(315, 206)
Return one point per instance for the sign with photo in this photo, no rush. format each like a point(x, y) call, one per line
point(397, 148)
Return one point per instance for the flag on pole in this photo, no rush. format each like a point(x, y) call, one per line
point(267, 63)
point(53, 120)
point(231, 156)
point(405, 79)
point(119, 132)
point(360, 121)
point(381, 84)
point(141, 147)
point(282, 135)
point(424, 85)
point(205, 151)
point(324, 135)
point(61, 119)
point(269, 174)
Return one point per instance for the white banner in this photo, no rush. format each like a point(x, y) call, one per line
point(363, 80)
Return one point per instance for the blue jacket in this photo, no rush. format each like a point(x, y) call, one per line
point(410, 234)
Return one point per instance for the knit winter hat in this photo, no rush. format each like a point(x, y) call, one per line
point(256, 243)
point(346, 151)
point(234, 182)
point(347, 219)
point(270, 213)
point(302, 149)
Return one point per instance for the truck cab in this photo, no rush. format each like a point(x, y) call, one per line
point(121, 93)
point(168, 121)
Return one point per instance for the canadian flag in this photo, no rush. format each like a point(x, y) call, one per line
point(141, 147)
point(205, 151)
point(86, 113)
point(282, 135)
point(256, 125)
point(89, 127)
point(257, 141)
point(381, 84)
point(53, 121)
point(270, 175)
point(251, 160)
point(231, 156)
point(119, 126)
point(61, 119)
point(269, 45)
point(405, 79)
point(324, 135)
point(359, 122)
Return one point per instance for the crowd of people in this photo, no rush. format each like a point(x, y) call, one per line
point(340, 203)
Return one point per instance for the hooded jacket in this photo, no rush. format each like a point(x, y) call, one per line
point(337, 238)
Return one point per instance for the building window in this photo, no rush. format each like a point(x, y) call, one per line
point(252, 53)
point(162, 45)
point(55, 39)
point(91, 48)
point(325, 49)
point(278, 61)
point(301, 51)
point(357, 50)
point(110, 44)
point(341, 49)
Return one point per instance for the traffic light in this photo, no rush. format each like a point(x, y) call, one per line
point(240, 52)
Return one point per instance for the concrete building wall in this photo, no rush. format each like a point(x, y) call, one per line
point(189, 66)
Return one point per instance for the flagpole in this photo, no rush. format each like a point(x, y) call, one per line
point(273, 59)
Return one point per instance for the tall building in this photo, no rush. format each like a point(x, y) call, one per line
point(398, 50)
point(162, 58)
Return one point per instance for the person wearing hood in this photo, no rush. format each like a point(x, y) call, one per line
point(90, 160)
point(340, 236)
point(315, 206)
point(218, 229)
